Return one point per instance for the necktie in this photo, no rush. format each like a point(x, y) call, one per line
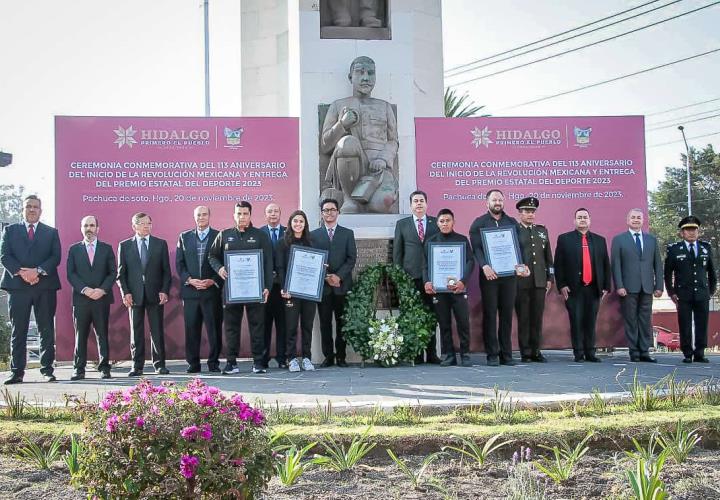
point(274, 235)
point(638, 244)
point(586, 265)
point(331, 233)
point(91, 252)
point(421, 230)
point(692, 250)
point(144, 254)
point(31, 232)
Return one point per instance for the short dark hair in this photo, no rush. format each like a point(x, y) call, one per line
point(417, 191)
point(487, 195)
point(330, 200)
point(244, 204)
point(582, 209)
point(445, 211)
point(32, 197)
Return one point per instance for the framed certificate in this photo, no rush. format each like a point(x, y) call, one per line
point(305, 272)
point(501, 250)
point(446, 265)
point(244, 276)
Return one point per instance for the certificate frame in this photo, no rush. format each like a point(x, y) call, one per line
point(317, 287)
point(231, 257)
point(434, 246)
point(492, 260)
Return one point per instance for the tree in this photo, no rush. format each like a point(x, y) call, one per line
point(11, 198)
point(459, 107)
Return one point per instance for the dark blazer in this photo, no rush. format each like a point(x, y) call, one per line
point(690, 279)
point(630, 270)
point(187, 265)
point(568, 261)
point(144, 289)
point(341, 258)
point(408, 250)
point(101, 274)
point(281, 233)
point(250, 239)
point(16, 251)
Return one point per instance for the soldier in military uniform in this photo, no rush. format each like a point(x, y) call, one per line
point(690, 281)
point(530, 299)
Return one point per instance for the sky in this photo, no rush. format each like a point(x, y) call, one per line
point(145, 58)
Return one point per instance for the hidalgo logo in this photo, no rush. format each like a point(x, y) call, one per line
point(481, 137)
point(164, 138)
point(232, 137)
point(582, 136)
point(125, 136)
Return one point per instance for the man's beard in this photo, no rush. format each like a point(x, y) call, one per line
point(496, 209)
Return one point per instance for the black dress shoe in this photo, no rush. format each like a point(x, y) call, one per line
point(162, 371)
point(135, 373)
point(493, 362)
point(433, 359)
point(508, 362)
point(701, 359)
point(214, 369)
point(450, 360)
point(579, 359)
point(13, 379)
point(539, 358)
point(647, 359)
point(687, 360)
point(634, 359)
point(192, 369)
point(327, 363)
point(593, 359)
point(341, 363)
point(105, 375)
point(50, 378)
point(77, 376)
point(526, 359)
point(465, 360)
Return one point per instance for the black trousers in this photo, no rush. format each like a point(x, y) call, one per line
point(498, 301)
point(207, 310)
point(155, 313)
point(275, 313)
point(233, 323)
point(95, 316)
point(637, 312)
point(428, 301)
point(453, 304)
point(582, 305)
point(332, 305)
point(20, 303)
point(697, 310)
point(302, 311)
point(529, 308)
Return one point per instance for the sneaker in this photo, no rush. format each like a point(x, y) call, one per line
point(258, 369)
point(230, 369)
point(294, 365)
point(307, 365)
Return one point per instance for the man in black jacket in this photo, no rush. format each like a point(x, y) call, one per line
point(91, 271)
point(275, 306)
point(339, 241)
point(582, 276)
point(454, 300)
point(144, 280)
point(200, 288)
point(30, 254)
point(244, 237)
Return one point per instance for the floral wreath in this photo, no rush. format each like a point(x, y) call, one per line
point(415, 322)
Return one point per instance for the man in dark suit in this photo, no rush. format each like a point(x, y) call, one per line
point(534, 239)
point(690, 280)
point(144, 280)
point(638, 276)
point(30, 254)
point(411, 233)
point(91, 271)
point(582, 276)
point(275, 307)
point(200, 289)
point(339, 241)
point(244, 237)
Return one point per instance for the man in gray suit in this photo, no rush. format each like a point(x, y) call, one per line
point(638, 276)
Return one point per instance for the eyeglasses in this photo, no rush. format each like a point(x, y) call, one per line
point(329, 210)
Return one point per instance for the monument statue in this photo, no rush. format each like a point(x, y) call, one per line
point(360, 134)
point(342, 14)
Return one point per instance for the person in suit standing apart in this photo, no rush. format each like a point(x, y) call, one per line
point(244, 236)
point(638, 276)
point(411, 233)
point(200, 289)
point(91, 271)
point(582, 276)
point(144, 280)
point(30, 254)
point(275, 307)
point(339, 241)
point(534, 239)
point(498, 292)
point(690, 280)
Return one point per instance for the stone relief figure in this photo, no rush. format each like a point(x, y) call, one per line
point(341, 13)
point(360, 134)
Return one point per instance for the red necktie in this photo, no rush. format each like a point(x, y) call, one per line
point(31, 232)
point(421, 230)
point(586, 265)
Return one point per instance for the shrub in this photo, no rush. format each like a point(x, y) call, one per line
point(4, 340)
point(560, 468)
point(174, 442)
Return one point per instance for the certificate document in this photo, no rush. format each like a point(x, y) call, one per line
point(446, 265)
point(305, 273)
point(501, 250)
point(244, 276)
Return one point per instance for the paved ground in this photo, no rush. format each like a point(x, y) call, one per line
point(430, 385)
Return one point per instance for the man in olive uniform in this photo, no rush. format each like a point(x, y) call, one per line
point(690, 281)
point(530, 300)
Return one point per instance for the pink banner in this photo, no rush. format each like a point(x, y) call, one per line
point(566, 162)
point(113, 167)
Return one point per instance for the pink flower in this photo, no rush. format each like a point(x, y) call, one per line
point(206, 432)
point(237, 462)
point(112, 423)
point(188, 466)
point(190, 432)
point(125, 417)
point(204, 400)
point(140, 422)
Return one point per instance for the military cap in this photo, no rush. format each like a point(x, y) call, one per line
point(689, 222)
point(530, 203)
